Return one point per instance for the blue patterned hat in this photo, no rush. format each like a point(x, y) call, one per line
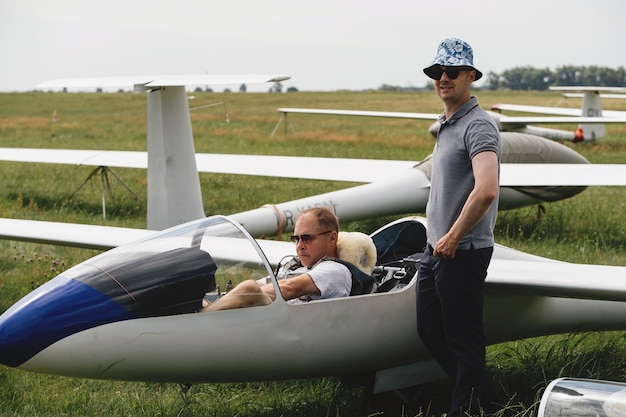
point(454, 52)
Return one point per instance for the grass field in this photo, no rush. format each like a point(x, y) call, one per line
point(588, 228)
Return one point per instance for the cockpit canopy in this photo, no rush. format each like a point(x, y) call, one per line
point(170, 272)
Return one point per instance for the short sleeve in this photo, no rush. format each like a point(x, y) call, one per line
point(332, 279)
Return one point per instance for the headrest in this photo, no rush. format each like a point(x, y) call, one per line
point(358, 249)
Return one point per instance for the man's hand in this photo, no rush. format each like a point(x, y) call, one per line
point(446, 247)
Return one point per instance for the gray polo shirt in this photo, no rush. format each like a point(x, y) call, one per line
point(468, 132)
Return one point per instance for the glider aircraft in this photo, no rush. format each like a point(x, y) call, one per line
point(534, 170)
point(130, 312)
point(582, 91)
point(608, 95)
point(591, 107)
point(591, 118)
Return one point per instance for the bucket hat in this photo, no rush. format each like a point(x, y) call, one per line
point(453, 52)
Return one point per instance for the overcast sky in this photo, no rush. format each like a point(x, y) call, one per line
point(322, 44)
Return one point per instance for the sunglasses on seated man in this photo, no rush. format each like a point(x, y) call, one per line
point(308, 237)
point(452, 72)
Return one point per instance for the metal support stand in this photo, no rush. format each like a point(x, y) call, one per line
point(212, 105)
point(106, 185)
point(287, 125)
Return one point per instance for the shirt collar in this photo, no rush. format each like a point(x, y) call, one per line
point(462, 111)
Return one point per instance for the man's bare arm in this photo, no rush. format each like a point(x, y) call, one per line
point(294, 287)
point(485, 168)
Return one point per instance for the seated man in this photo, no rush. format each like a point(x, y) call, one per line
point(316, 232)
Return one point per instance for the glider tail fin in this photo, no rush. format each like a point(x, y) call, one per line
point(174, 194)
point(592, 107)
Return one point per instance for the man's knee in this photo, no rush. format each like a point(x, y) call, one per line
point(249, 294)
point(247, 287)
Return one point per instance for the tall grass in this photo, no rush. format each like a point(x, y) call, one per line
point(588, 228)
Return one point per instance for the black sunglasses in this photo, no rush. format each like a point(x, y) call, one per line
point(452, 72)
point(308, 237)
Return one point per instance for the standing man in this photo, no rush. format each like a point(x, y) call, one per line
point(461, 212)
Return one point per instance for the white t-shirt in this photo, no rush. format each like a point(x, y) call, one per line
point(333, 279)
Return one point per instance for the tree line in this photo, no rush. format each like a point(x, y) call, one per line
point(540, 79)
point(530, 78)
point(518, 78)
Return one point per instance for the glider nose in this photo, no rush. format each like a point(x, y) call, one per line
point(59, 308)
point(114, 286)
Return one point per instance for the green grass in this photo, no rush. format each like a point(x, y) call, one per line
point(588, 228)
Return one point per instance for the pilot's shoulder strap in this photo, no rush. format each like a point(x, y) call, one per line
point(292, 264)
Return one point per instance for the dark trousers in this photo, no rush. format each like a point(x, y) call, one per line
point(450, 299)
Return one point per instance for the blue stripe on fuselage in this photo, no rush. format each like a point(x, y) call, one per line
point(59, 308)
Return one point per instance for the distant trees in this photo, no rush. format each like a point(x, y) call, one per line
point(529, 78)
point(523, 78)
point(517, 78)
